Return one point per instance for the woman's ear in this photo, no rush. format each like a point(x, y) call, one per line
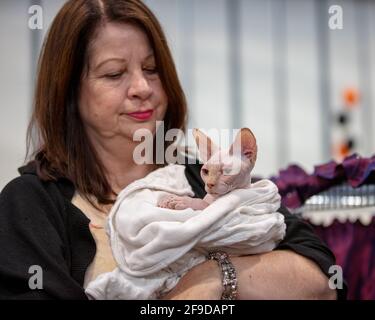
point(205, 145)
point(245, 144)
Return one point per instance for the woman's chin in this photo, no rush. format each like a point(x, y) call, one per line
point(132, 126)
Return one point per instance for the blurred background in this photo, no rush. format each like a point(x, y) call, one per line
point(274, 66)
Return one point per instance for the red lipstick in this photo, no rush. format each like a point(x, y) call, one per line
point(144, 115)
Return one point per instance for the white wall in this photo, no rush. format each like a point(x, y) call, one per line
point(15, 86)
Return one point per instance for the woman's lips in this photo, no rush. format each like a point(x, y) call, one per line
point(144, 115)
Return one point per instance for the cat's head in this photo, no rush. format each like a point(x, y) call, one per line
point(225, 170)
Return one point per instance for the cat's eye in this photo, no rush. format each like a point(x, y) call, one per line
point(227, 171)
point(205, 171)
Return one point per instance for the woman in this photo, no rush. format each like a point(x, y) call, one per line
point(106, 71)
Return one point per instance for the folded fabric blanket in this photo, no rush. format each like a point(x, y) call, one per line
point(154, 247)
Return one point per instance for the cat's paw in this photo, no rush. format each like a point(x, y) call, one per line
point(182, 203)
point(174, 202)
point(164, 202)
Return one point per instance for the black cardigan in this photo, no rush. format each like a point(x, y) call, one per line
point(40, 226)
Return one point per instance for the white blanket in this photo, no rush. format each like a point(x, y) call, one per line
point(154, 246)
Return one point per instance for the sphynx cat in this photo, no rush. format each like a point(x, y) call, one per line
point(222, 171)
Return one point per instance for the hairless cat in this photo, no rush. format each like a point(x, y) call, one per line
point(222, 171)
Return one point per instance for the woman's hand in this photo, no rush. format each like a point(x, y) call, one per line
point(203, 282)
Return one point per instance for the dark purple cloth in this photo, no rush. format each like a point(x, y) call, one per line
point(354, 247)
point(352, 243)
point(296, 186)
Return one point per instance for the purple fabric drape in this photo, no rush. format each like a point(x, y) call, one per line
point(352, 243)
point(354, 247)
point(296, 186)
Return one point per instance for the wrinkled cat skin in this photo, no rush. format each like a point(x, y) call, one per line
point(222, 171)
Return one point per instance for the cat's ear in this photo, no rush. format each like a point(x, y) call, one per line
point(205, 145)
point(245, 144)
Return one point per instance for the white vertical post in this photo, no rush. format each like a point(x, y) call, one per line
point(324, 72)
point(235, 61)
point(280, 54)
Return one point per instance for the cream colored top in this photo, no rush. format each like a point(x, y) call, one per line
point(103, 260)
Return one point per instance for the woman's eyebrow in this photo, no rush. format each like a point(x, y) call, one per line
point(149, 56)
point(107, 60)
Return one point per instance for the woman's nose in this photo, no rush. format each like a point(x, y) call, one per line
point(139, 87)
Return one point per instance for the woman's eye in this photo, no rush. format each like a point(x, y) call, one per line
point(150, 70)
point(113, 75)
point(205, 171)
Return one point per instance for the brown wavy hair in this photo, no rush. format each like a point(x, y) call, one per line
point(61, 148)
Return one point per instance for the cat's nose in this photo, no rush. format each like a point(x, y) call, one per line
point(210, 185)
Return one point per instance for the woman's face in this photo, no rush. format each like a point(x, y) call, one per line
point(122, 91)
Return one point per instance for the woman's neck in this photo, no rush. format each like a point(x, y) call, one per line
point(116, 155)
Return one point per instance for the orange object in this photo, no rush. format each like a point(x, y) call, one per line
point(340, 151)
point(344, 150)
point(351, 97)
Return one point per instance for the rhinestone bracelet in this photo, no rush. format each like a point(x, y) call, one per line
point(228, 273)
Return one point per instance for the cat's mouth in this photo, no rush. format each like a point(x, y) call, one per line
point(219, 190)
point(214, 191)
point(210, 190)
